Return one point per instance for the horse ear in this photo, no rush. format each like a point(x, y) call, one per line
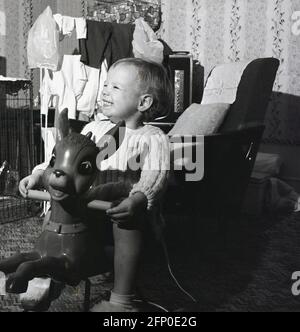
point(89, 135)
point(111, 141)
point(63, 124)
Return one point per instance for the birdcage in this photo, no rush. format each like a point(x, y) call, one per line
point(17, 150)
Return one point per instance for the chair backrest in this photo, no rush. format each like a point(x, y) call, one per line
point(253, 95)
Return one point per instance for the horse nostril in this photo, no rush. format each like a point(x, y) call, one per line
point(59, 173)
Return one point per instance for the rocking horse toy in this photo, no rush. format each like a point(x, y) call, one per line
point(69, 249)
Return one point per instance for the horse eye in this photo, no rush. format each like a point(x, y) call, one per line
point(86, 168)
point(52, 161)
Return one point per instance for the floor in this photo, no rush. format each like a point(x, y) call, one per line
point(250, 269)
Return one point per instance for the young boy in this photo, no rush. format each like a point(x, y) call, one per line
point(136, 91)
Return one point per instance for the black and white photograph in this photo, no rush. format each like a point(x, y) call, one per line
point(149, 158)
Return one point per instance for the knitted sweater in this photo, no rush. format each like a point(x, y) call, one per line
point(143, 160)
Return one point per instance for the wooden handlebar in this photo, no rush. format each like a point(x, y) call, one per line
point(100, 205)
point(45, 196)
point(39, 195)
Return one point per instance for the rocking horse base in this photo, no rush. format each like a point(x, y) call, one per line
point(40, 294)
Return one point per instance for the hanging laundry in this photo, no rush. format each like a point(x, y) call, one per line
point(92, 49)
point(43, 40)
point(67, 25)
point(103, 78)
point(87, 102)
point(81, 29)
point(75, 85)
point(49, 136)
point(110, 41)
point(62, 84)
point(146, 44)
point(121, 43)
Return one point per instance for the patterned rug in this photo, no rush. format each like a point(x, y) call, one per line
point(250, 271)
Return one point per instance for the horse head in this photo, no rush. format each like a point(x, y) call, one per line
point(73, 168)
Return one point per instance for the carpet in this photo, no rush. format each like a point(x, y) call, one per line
point(250, 270)
point(20, 236)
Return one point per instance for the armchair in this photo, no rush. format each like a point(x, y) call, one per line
point(230, 153)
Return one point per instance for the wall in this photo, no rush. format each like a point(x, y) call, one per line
point(2, 28)
point(15, 20)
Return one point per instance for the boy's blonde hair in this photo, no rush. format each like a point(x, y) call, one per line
point(154, 80)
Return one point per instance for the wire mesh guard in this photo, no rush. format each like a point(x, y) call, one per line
point(120, 11)
point(17, 155)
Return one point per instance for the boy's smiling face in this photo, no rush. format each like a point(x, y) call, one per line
point(121, 93)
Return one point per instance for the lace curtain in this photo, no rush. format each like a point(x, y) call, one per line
point(223, 31)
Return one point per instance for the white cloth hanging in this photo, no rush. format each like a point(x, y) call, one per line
point(103, 78)
point(81, 27)
point(92, 92)
point(67, 24)
point(77, 86)
point(67, 84)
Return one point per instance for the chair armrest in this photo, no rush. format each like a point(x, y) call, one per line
point(228, 148)
point(245, 129)
point(242, 131)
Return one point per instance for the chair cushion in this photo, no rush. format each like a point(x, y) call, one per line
point(222, 83)
point(200, 120)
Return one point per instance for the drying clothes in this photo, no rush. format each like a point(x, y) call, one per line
point(76, 85)
point(110, 41)
point(67, 25)
point(92, 48)
point(86, 104)
point(146, 44)
point(56, 84)
point(121, 43)
point(42, 44)
point(81, 30)
point(49, 136)
point(59, 21)
point(103, 78)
